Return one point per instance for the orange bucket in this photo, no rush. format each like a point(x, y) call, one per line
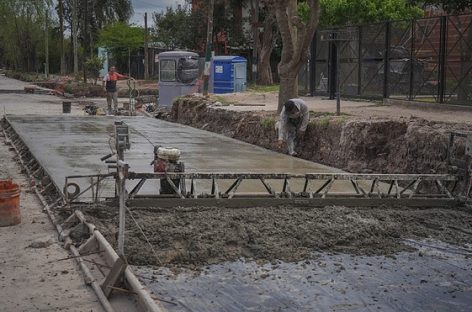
point(9, 203)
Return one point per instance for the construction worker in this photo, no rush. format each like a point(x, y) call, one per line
point(292, 124)
point(109, 82)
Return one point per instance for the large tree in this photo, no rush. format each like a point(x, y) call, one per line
point(22, 34)
point(345, 12)
point(122, 39)
point(297, 34)
point(263, 18)
point(179, 28)
point(93, 15)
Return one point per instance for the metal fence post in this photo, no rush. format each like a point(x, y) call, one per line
point(412, 56)
point(359, 62)
point(313, 51)
point(442, 60)
point(386, 92)
point(332, 70)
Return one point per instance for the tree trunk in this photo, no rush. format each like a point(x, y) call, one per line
point(296, 39)
point(209, 44)
point(75, 31)
point(265, 50)
point(288, 89)
point(264, 76)
point(61, 34)
point(256, 40)
point(265, 71)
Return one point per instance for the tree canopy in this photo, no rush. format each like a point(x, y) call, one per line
point(344, 12)
point(92, 16)
point(121, 39)
point(178, 28)
point(120, 35)
point(22, 34)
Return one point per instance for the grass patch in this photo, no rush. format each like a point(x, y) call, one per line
point(426, 99)
point(268, 123)
point(324, 119)
point(326, 114)
point(323, 122)
point(223, 100)
point(263, 89)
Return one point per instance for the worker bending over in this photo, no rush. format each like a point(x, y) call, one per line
point(292, 124)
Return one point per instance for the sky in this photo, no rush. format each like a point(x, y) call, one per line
point(150, 6)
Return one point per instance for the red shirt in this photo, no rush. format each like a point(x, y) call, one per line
point(113, 76)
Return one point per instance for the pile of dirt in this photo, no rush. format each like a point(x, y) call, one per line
point(350, 143)
point(196, 237)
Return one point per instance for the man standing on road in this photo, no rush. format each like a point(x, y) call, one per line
point(109, 82)
point(292, 124)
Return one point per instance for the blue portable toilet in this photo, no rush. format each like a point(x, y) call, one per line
point(228, 74)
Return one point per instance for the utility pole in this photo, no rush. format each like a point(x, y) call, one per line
point(46, 42)
point(206, 74)
point(146, 49)
point(61, 29)
point(74, 36)
point(92, 10)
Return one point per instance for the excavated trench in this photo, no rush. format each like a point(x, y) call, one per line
point(350, 143)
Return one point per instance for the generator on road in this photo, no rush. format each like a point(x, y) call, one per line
point(166, 160)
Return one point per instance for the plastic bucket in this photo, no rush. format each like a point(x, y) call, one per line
point(66, 107)
point(9, 203)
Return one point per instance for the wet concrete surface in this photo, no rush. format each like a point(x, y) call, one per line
point(68, 145)
point(440, 279)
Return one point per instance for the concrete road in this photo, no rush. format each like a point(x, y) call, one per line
point(14, 101)
point(68, 145)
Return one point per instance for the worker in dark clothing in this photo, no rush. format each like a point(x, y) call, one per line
point(292, 124)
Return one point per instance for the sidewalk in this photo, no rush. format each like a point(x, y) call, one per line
point(31, 277)
point(365, 109)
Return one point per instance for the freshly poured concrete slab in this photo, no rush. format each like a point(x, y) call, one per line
point(439, 280)
point(68, 145)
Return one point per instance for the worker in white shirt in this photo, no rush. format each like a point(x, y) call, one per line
point(292, 124)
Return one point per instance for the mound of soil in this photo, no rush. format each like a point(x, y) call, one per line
point(192, 238)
